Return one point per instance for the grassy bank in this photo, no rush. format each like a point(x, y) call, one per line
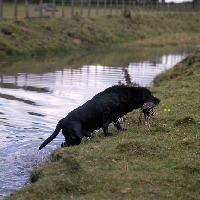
point(133, 164)
point(46, 36)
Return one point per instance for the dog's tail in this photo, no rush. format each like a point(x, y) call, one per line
point(53, 136)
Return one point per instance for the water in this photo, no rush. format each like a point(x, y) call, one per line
point(36, 93)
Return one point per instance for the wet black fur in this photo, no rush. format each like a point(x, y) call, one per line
point(105, 107)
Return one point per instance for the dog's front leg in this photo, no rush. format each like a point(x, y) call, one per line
point(118, 126)
point(106, 121)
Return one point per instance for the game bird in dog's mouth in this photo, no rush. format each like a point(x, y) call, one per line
point(104, 108)
point(149, 109)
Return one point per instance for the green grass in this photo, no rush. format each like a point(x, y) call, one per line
point(47, 36)
point(134, 164)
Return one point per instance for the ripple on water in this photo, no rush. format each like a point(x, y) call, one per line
point(19, 160)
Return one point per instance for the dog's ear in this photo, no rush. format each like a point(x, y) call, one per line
point(139, 93)
point(141, 96)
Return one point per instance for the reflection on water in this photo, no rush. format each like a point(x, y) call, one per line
point(36, 93)
point(143, 73)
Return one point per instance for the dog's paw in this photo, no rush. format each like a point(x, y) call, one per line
point(122, 129)
point(88, 138)
point(64, 144)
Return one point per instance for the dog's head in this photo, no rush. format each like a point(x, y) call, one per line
point(148, 97)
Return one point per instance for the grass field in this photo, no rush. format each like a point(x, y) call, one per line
point(133, 164)
point(47, 36)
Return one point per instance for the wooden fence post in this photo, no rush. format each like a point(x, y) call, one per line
point(53, 9)
point(63, 8)
point(116, 6)
point(182, 7)
point(168, 8)
point(1, 8)
point(89, 5)
point(72, 8)
point(81, 9)
point(110, 7)
point(143, 6)
point(97, 9)
point(41, 8)
point(26, 8)
point(15, 8)
point(104, 12)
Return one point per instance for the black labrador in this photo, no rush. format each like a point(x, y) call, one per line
point(105, 107)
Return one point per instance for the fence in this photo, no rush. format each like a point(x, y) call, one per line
point(88, 8)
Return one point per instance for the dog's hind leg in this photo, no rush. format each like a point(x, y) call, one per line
point(87, 133)
point(72, 133)
point(106, 122)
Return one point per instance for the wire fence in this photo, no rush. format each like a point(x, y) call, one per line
point(88, 8)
